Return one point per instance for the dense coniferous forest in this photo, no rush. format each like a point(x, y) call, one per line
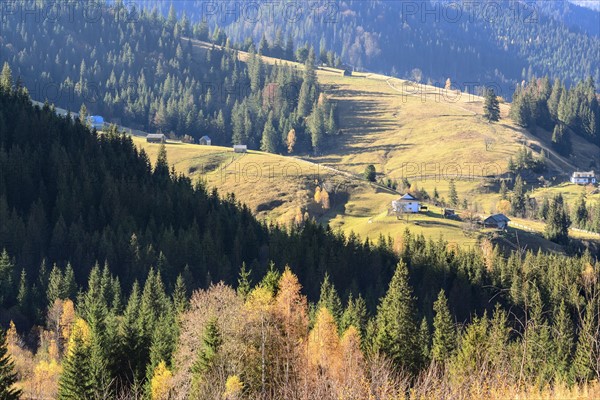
point(558, 109)
point(137, 69)
point(502, 42)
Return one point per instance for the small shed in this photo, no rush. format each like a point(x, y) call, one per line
point(498, 221)
point(448, 212)
point(406, 204)
point(156, 138)
point(240, 148)
point(205, 141)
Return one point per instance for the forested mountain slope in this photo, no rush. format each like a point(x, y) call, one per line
point(135, 69)
point(479, 42)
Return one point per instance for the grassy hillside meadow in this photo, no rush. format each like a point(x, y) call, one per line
point(419, 132)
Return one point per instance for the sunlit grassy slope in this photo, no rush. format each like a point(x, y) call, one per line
point(419, 132)
point(273, 186)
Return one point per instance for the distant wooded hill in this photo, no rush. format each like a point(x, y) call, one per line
point(502, 42)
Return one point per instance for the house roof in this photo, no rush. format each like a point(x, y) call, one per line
point(498, 218)
point(205, 137)
point(407, 197)
point(589, 174)
point(155, 136)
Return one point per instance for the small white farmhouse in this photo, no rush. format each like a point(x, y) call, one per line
point(406, 204)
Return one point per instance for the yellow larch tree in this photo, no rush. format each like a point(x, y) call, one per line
point(318, 195)
point(67, 320)
point(353, 382)
point(324, 353)
point(161, 382)
point(291, 310)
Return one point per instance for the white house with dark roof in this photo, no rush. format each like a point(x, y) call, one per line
point(583, 178)
point(406, 204)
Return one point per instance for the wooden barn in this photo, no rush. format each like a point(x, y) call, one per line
point(498, 221)
point(156, 138)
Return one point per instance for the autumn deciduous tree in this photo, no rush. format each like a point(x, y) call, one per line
point(67, 319)
point(325, 200)
point(291, 140)
point(352, 374)
point(324, 353)
point(291, 309)
point(317, 196)
point(233, 388)
point(161, 382)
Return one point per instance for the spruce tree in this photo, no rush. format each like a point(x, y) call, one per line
point(55, 286)
point(244, 282)
point(557, 222)
point(444, 334)
point(130, 341)
point(554, 99)
point(68, 285)
point(453, 195)
point(580, 212)
point(503, 190)
point(6, 81)
point(517, 200)
point(83, 115)
point(271, 279)
point(6, 277)
point(330, 299)
point(491, 107)
point(269, 142)
point(562, 333)
point(180, 295)
point(211, 343)
point(8, 377)
point(75, 381)
point(425, 341)
point(94, 310)
point(499, 336)
point(561, 140)
point(23, 294)
point(355, 315)
point(164, 339)
point(396, 335)
point(161, 170)
point(582, 368)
